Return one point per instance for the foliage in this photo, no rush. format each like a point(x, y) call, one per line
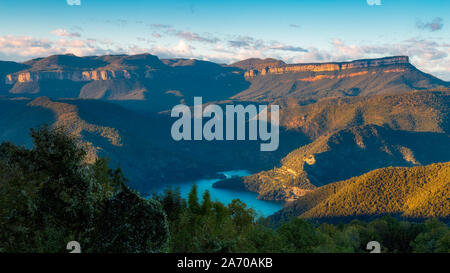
point(410, 192)
point(49, 196)
point(213, 227)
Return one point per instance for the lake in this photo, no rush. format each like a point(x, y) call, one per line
point(225, 196)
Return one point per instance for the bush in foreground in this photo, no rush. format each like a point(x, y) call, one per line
point(50, 196)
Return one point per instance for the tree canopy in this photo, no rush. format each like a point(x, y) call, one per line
point(49, 196)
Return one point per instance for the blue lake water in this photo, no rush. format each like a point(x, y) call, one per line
point(225, 196)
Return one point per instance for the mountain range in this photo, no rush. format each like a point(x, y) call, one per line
point(352, 136)
point(160, 84)
point(339, 121)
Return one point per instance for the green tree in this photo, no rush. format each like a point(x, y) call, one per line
point(263, 240)
point(49, 196)
point(299, 236)
point(206, 203)
point(172, 203)
point(193, 203)
point(435, 238)
point(242, 217)
point(130, 224)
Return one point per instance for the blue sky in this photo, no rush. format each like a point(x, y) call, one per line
point(230, 30)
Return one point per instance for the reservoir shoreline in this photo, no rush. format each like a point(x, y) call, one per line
point(262, 207)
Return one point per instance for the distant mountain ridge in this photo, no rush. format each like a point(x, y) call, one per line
point(158, 84)
point(270, 66)
point(307, 83)
point(143, 80)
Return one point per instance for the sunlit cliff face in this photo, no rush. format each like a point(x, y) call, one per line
point(330, 67)
point(93, 75)
point(273, 68)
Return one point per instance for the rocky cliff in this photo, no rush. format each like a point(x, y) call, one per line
point(79, 69)
point(93, 75)
point(307, 83)
point(252, 67)
point(281, 68)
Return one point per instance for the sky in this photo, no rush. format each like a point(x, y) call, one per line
point(229, 30)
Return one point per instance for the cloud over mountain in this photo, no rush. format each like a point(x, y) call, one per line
point(435, 25)
point(64, 33)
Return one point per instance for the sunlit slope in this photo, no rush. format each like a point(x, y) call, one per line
point(414, 192)
point(353, 136)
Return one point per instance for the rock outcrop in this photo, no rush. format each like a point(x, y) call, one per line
point(281, 68)
point(306, 83)
point(93, 75)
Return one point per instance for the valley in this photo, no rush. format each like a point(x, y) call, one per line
point(338, 121)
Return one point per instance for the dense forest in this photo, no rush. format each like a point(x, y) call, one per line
point(418, 192)
point(49, 196)
point(208, 226)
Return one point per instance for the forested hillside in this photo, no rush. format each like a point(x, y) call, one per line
point(415, 192)
point(49, 196)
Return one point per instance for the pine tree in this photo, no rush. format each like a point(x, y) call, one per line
point(206, 203)
point(193, 203)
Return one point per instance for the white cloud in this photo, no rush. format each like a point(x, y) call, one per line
point(428, 55)
point(64, 33)
point(186, 35)
point(181, 50)
point(280, 46)
point(19, 48)
point(435, 25)
point(74, 2)
point(191, 36)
